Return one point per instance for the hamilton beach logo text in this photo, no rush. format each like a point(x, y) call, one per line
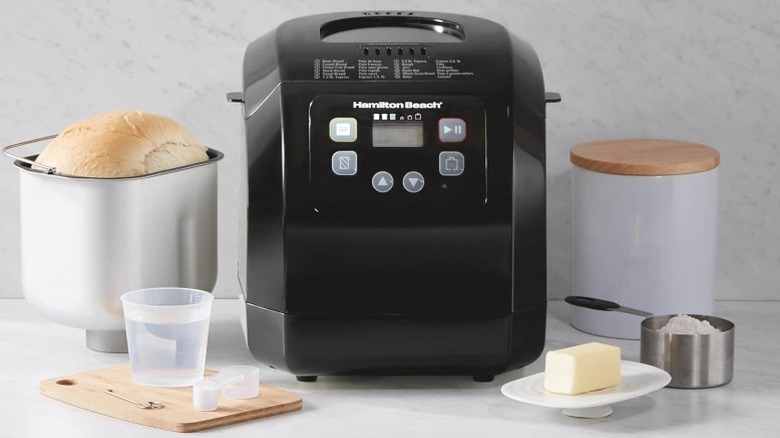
point(396, 105)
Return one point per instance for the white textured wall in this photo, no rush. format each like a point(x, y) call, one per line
point(704, 71)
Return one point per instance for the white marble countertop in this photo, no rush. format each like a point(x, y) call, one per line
point(33, 349)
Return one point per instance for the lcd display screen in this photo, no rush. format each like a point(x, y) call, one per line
point(397, 134)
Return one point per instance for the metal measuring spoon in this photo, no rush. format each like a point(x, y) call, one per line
point(147, 405)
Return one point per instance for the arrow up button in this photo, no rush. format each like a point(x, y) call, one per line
point(382, 181)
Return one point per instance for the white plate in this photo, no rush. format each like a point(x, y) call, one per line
point(637, 379)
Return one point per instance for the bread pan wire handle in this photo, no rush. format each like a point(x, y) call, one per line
point(49, 169)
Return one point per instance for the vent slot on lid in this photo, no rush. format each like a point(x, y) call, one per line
point(394, 51)
point(388, 13)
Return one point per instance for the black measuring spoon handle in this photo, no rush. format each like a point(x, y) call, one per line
point(592, 303)
point(599, 304)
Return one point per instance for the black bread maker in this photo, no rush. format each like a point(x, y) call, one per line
point(393, 205)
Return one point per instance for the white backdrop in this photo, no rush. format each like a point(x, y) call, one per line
point(704, 71)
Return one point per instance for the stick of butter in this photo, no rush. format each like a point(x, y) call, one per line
point(582, 368)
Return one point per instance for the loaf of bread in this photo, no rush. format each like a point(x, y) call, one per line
point(122, 144)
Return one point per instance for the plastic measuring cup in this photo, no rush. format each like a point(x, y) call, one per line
point(167, 333)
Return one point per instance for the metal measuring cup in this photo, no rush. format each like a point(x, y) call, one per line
point(693, 360)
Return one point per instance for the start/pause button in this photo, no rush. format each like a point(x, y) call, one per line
point(452, 130)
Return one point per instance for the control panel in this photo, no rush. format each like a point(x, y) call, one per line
point(397, 155)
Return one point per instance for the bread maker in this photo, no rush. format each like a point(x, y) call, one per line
point(393, 205)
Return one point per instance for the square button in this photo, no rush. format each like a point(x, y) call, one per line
point(343, 129)
point(452, 130)
point(451, 163)
point(344, 163)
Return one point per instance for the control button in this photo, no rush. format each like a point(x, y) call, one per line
point(382, 181)
point(413, 182)
point(452, 130)
point(343, 129)
point(451, 163)
point(344, 163)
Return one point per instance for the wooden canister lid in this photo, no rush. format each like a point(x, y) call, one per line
point(638, 156)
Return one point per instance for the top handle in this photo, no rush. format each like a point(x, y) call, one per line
point(437, 25)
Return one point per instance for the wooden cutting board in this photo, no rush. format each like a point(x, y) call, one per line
point(87, 391)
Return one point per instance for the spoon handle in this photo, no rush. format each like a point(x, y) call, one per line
point(591, 303)
point(599, 304)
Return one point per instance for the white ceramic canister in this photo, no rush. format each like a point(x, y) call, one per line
point(644, 228)
point(86, 241)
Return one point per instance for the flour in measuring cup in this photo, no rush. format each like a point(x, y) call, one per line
point(688, 325)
